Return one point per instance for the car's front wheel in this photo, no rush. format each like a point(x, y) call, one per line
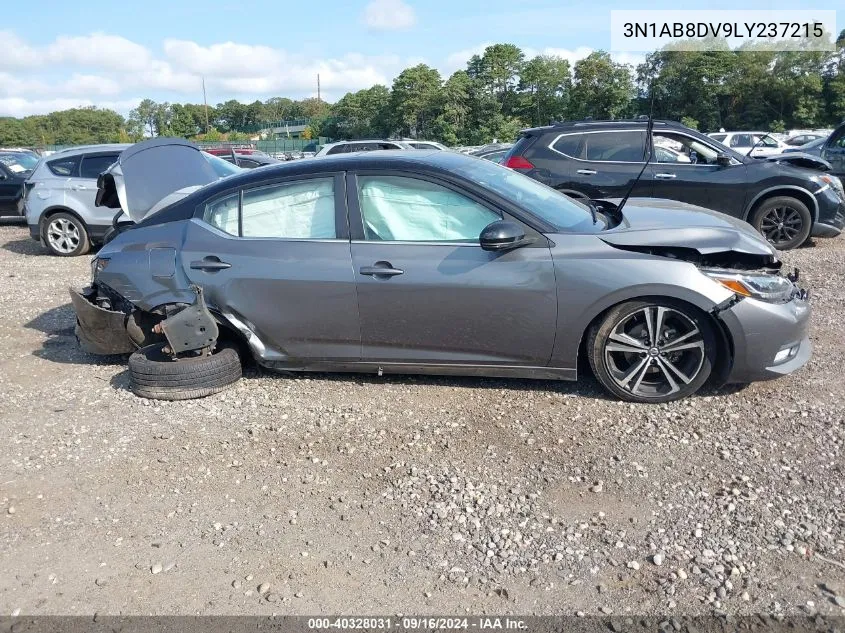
point(652, 351)
point(65, 235)
point(784, 221)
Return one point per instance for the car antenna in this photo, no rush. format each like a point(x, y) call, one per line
point(753, 147)
point(648, 151)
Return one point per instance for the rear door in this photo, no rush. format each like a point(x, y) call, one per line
point(81, 187)
point(276, 256)
point(607, 163)
point(428, 294)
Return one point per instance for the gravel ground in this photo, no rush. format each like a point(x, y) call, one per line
point(358, 494)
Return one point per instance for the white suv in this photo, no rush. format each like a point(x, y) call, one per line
point(345, 147)
point(60, 195)
point(59, 199)
point(742, 142)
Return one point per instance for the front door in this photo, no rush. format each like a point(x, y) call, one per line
point(276, 257)
point(685, 168)
point(834, 152)
point(10, 192)
point(429, 294)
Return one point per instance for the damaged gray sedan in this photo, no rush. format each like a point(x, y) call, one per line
point(427, 262)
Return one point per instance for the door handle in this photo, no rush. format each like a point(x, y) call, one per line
point(78, 187)
point(665, 176)
point(381, 269)
point(211, 264)
point(587, 172)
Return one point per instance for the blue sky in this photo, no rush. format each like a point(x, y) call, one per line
point(115, 53)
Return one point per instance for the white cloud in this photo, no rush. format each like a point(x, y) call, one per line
point(223, 60)
point(388, 15)
point(16, 53)
point(98, 50)
point(102, 69)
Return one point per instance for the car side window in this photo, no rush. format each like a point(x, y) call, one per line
point(338, 149)
point(291, 210)
point(767, 141)
point(619, 146)
point(64, 166)
point(222, 213)
point(93, 166)
point(569, 144)
point(839, 141)
point(399, 208)
point(741, 140)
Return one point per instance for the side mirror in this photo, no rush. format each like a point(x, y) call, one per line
point(723, 160)
point(502, 236)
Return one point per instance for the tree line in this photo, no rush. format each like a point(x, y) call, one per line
point(500, 92)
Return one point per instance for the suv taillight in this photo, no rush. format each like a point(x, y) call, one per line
point(518, 162)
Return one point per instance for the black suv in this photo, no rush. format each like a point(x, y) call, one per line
point(15, 168)
point(833, 151)
point(601, 159)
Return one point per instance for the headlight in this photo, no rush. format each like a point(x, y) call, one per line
point(835, 184)
point(771, 288)
point(98, 265)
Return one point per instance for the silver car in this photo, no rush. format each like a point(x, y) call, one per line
point(429, 262)
point(60, 197)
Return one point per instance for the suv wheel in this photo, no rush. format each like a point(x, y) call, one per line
point(785, 222)
point(652, 351)
point(65, 235)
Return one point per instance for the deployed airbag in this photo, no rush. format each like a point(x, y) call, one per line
point(406, 209)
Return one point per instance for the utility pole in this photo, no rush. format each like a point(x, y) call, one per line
point(318, 86)
point(205, 101)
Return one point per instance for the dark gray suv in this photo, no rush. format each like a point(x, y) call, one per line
point(601, 159)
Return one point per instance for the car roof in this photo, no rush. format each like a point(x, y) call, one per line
point(82, 149)
point(416, 160)
point(603, 124)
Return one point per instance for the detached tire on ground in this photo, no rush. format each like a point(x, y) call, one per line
point(154, 374)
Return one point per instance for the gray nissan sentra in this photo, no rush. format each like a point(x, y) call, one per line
point(425, 262)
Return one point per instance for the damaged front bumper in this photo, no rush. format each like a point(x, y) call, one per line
point(98, 330)
point(770, 340)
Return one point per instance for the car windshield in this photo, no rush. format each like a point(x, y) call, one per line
point(19, 162)
point(561, 211)
point(221, 167)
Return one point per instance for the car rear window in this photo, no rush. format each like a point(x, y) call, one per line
point(93, 166)
point(617, 146)
point(67, 166)
point(569, 144)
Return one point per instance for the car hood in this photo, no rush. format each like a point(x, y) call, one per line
point(653, 222)
point(802, 159)
point(147, 173)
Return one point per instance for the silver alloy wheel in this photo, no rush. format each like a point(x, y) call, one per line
point(63, 235)
point(654, 351)
point(780, 225)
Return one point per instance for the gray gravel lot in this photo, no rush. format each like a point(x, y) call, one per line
point(358, 494)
